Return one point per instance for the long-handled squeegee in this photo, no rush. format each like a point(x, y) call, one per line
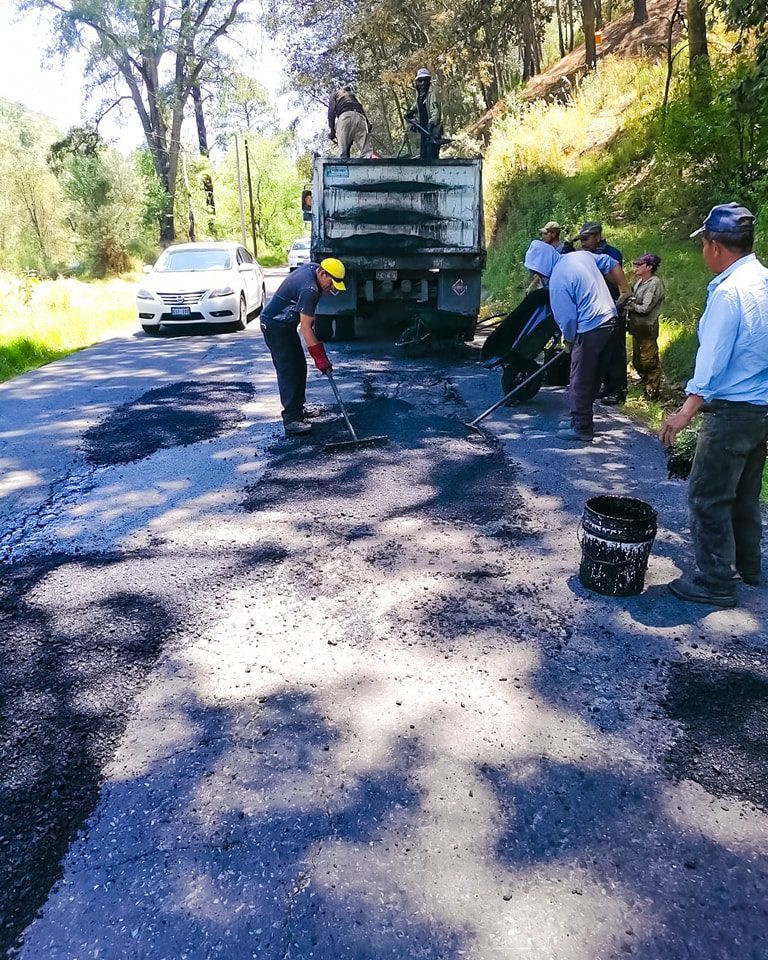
point(473, 425)
point(355, 443)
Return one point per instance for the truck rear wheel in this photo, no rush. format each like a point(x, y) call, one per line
point(323, 327)
point(345, 328)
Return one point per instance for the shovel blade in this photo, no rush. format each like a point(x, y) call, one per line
point(344, 445)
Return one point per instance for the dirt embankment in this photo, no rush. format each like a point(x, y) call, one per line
point(621, 38)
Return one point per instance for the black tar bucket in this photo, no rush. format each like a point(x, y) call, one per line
point(616, 538)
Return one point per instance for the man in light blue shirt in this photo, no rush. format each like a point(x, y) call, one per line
point(730, 387)
point(586, 314)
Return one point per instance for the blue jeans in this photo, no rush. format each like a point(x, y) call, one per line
point(290, 364)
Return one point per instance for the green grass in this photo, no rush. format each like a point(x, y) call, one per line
point(47, 320)
point(593, 158)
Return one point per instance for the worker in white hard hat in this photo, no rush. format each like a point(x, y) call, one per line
point(427, 114)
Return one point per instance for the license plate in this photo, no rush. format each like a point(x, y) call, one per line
point(180, 311)
point(386, 274)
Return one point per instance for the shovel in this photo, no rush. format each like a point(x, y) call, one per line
point(473, 425)
point(355, 443)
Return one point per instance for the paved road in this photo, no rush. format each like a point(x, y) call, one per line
point(262, 702)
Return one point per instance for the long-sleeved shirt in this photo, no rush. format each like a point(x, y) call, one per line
point(342, 102)
point(578, 294)
point(645, 308)
point(732, 359)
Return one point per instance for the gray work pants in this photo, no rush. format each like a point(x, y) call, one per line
point(352, 131)
point(724, 493)
point(588, 358)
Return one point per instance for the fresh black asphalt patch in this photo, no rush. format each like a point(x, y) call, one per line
point(722, 706)
point(174, 415)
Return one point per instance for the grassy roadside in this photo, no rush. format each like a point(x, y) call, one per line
point(46, 320)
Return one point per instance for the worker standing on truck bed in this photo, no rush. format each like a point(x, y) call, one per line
point(290, 309)
point(348, 122)
point(427, 113)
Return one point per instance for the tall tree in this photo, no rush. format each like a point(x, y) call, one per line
point(639, 11)
point(126, 42)
point(588, 26)
point(700, 89)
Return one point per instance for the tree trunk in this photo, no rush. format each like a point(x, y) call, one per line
point(588, 26)
point(700, 87)
point(571, 31)
point(202, 139)
point(599, 14)
point(640, 11)
point(560, 36)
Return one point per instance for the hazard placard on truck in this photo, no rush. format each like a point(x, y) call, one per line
point(410, 233)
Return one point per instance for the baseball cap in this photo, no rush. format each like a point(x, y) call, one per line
point(591, 226)
point(550, 225)
point(335, 270)
point(648, 258)
point(727, 218)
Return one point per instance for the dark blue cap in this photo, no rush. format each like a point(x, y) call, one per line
point(727, 218)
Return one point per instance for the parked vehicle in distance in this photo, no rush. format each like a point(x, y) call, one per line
point(205, 282)
point(298, 255)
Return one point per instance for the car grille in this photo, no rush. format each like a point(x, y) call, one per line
point(182, 299)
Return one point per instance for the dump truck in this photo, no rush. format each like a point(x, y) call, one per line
point(411, 235)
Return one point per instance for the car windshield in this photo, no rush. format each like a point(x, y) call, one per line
point(178, 261)
point(301, 244)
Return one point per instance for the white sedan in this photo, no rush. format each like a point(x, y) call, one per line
point(201, 283)
point(298, 255)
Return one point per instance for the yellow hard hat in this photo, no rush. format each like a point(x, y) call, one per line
point(335, 270)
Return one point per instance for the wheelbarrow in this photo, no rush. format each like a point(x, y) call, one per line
point(519, 340)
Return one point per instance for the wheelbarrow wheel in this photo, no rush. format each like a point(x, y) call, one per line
point(517, 374)
point(415, 342)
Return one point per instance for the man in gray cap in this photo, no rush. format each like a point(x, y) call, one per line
point(730, 387)
point(428, 114)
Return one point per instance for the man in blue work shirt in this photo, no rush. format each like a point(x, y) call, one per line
point(290, 309)
point(614, 387)
point(586, 314)
point(730, 387)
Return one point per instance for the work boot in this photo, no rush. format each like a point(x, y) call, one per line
point(296, 428)
point(571, 433)
point(751, 579)
point(696, 593)
point(565, 424)
point(613, 399)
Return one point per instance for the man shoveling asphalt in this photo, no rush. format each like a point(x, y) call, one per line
point(290, 309)
point(586, 314)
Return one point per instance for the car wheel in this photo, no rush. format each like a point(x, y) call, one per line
point(151, 329)
point(242, 320)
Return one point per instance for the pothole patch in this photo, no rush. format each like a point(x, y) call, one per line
point(177, 414)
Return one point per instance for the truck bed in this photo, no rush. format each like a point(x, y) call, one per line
point(373, 212)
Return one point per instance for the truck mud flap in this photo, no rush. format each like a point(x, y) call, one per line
point(458, 292)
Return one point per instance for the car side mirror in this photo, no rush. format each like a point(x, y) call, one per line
point(244, 267)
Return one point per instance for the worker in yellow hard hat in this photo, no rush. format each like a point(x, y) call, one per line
point(290, 310)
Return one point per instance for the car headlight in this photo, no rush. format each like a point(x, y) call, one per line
point(221, 292)
point(143, 294)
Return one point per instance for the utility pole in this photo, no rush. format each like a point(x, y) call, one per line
point(240, 194)
point(250, 195)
